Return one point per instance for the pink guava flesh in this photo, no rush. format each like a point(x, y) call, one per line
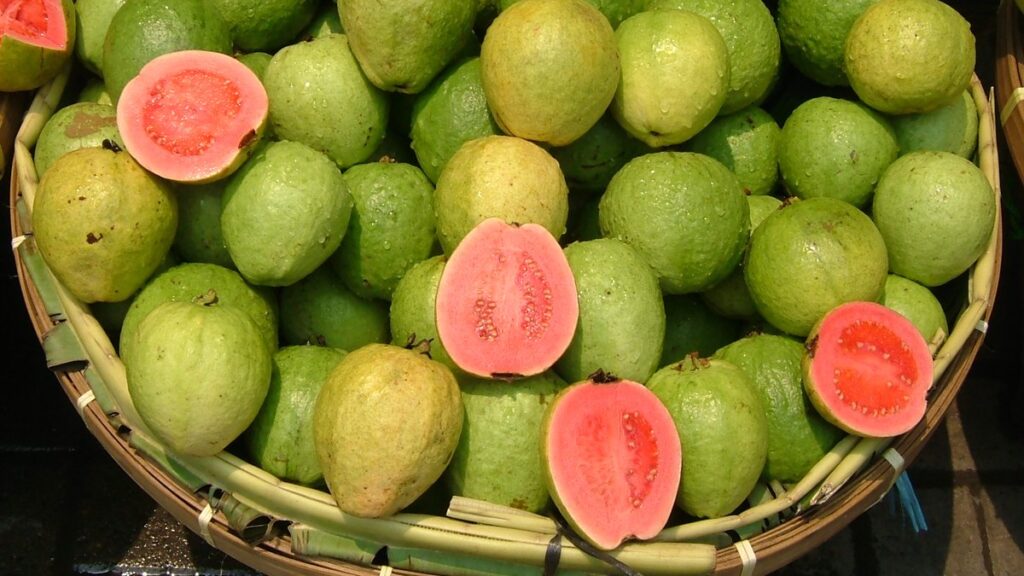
point(192, 116)
point(36, 22)
point(614, 461)
point(868, 370)
point(506, 302)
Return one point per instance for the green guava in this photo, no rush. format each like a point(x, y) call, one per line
point(280, 439)
point(675, 76)
point(499, 177)
point(747, 143)
point(319, 310)
point(80, 125)
point(723, 430)
point(936, 212)
point(809, 257)
point(199, 237)
point(284, 213)
point(92, 21)
point(191, 281)
point(835, 148)
point(621, 322)
point(176, 342)
point(266, 25)
point(691, 327)
point(102, 223)
point(549, 68)
point(337, 110)
point(919, 305)
point(496, 459)
point(797, 436)
point(450, 112)
point(685, 213)
point(141, 30)
point(402, 45)
point(952, 128)
point(391, 228)
point(589, 163)
point(385, 426)
point(813, 37)
point(413, 310)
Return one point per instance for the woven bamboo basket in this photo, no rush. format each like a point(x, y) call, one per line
point(1010, 80)
point(285, 529)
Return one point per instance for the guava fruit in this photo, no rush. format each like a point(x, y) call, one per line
point(613, 460)
point(936, 212)
point(191, 281)
point(256, 61)
point(192, 116)
point(262, 25)
point(797, 435)
point(450, 112)
point(755, 54)
point(836, 148)
point(79, 125)
point(402, 45)
point(391, 228)
point(326, 21)
point(614, 10)
point(675, 76)
point(691, 327)
point(810, 256)
point(747, 143)
point(919, 305)
point(199, 237)
point(499, 177)
point(385, 426)
point(198, 374)
point(284, 213)
point(909, 56)
point(141, 30)
point(722, 429)
point(497, 459)
point(111, 315)
point(813, 36)
point(37, 38)
point(685, 213)
point(730, 297)
point(413, 315)
point(868, 370)
point(320, 97)
point(549, 68)
point(506, 302)
point(95, 91)
point(280, 438)
point(952, 128)
point(102, 223)
point(92, 19)
point(589, 163)
point(319, 310)
point(621, 314)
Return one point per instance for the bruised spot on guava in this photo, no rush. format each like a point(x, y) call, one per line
point(93, 238)
point(85, 124)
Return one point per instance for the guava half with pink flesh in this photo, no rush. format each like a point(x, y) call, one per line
point(868, 370)
point(506, 303)
point(36, 40)
point(613, 460)
point(192, 116)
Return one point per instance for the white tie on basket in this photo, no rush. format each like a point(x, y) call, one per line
point(747, 557)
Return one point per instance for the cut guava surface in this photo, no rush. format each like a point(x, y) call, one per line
point(613, 460)
point(192, 116)
point(36, 39)
point(868, 370)
point(506, 303)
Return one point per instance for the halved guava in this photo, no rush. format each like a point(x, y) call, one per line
point(506, 303)
point(36, 40)
point(868, 369)
point(192, 115)
point(613, 460)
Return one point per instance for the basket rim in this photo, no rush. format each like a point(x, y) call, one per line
point(774, 548)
